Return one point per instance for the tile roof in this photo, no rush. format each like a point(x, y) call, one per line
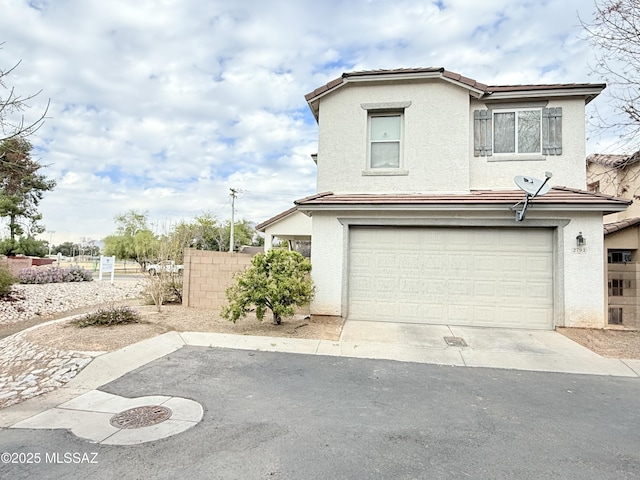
point(621, 225)
point(557, 196)
point(469, 82)
point(615, 161)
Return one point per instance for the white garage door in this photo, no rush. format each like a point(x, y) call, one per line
point(456, 276)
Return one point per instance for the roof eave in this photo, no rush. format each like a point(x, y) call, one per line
point(605, 208)
point(588, 93)
point(261, 227)
point(367, 77)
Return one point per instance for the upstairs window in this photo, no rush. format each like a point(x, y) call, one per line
point(619, 256)
point(385, 134)
point(517, 132)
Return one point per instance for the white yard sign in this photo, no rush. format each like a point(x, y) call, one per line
point(107, 265)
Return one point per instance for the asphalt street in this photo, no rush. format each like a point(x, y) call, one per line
point(288, 416)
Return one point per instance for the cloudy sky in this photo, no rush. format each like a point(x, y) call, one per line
point(164, 105)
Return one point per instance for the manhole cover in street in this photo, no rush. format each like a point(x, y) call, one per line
point(141, 417)
point(455, 342)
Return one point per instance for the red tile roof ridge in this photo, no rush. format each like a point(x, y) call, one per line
point(620, 225)
point(595, 194)
point(315, 196)
point(558, 194)
point(614, 160)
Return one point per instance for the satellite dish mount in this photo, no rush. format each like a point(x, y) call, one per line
point(532, 187)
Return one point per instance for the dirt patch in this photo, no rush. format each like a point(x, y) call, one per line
point(177, 318)
point(608, 343)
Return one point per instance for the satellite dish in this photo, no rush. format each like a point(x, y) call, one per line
point(532, 187)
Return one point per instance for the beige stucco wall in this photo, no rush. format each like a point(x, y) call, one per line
point(626, 239)
point(498, 171)
point(624, 183)
point(579, 272)
point(437, 143)
point(207, 275)
point(435, 139)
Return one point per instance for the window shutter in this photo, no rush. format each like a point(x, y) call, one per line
point(482, 133)
point(552, 131)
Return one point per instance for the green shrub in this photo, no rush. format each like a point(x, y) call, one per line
point(106, 317)
point(6, 280)
point(277, 280)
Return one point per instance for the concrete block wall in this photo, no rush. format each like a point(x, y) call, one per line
point(207, 275)
point(15, 264)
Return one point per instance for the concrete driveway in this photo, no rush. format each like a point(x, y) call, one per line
point(536, 350)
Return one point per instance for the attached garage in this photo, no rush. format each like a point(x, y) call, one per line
point(490, 277)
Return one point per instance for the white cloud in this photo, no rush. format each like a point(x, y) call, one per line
point(163, 106)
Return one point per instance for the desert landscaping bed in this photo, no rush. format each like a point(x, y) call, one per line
point(31, 304)
point(608, 343)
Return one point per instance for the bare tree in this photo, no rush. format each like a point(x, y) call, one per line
point(615, 33)
point(12, 106)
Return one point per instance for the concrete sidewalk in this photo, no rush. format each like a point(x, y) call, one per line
point(435, 344)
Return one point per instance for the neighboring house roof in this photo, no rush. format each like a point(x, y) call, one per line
point(621, 225)
point(558, 197)
point(262, 226)
point(615, 161)
point(477, 89)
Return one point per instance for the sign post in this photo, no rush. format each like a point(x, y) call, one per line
point(107, 265)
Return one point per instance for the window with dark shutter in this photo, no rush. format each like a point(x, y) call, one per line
point(482, 137)
point(552, 131)
point(517, 131)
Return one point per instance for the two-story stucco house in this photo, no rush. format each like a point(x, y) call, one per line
point(619, 175)
point(414, 218)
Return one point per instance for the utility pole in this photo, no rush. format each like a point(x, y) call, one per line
point(50, 235)
point(233, 205)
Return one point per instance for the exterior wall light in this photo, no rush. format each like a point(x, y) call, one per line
point(580, 240)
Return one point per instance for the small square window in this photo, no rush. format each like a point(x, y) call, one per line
point(385, 133)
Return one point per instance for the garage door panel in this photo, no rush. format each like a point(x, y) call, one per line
point(484, 289)
point(539, 290)
point(463, 288)
point(463, 276)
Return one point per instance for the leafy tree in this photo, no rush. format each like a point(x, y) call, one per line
point(133, 240)
point(205, 233)
point(277, 280)
point(21, 189)
point(12, 122)
point(243, 234)
point(615, 34)
point(25, 246)
point(68, 249)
